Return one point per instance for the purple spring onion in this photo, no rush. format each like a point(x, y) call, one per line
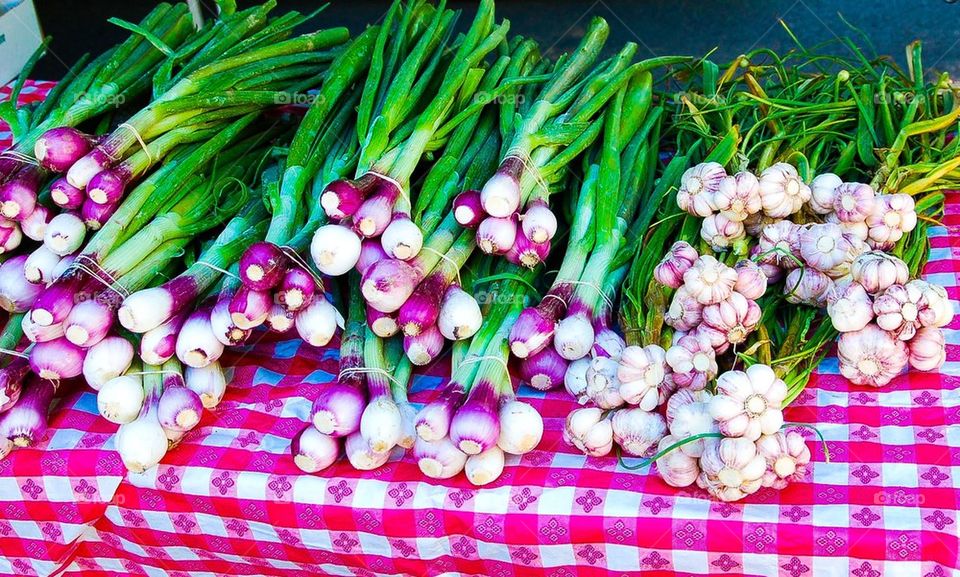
point(486, 467)
point(433, 420)
point(179, 408)
point(54, 303)
point(209, 382)
point(10, 236)
point(58, 148)
point(106, 360)
point(371, 251)
point(338, 408)
point(422, 309)
point(11, 382)
point(18, 196)
point(120, 399)
point(57, 360)
point(313, 451)
point(544, 370)
point(249, 308)
point(297, 289)
point(361, 456)
point(87, 166)
point(96, 215)
point(460, 315)
point(64, 234)
point(439, 459)
point(262, 266)
point(107, 187)
point(538, 222)
point(496, 235)
point(317, 323)
point(521, 427)
point(535, 326)
point(88, 322)
point(280, 320)
point(39, 334)
point(35, 225)
point(468, 210)
point(341, 198)
point(159, 345)
point(501, 193)
point(26, 422)
point(424, 348)
point(143, 442)
point(384, 325)
point(17, 294)
point(376, 212)
point(197, 345)
point(65, 195)
point(476, 426)
point(335, 249)
point(528, 253)
point(223, 327)
point(389, 283)
point(39, 266)
point(402, 238)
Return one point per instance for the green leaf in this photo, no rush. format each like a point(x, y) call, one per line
point(148, 35)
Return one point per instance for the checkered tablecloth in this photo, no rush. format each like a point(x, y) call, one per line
point(229, 500)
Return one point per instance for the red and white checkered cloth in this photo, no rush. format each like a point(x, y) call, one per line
point(229, 499)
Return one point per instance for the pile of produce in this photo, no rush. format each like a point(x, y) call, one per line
point(709, 233)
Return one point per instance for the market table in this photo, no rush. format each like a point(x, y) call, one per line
point(229, 500)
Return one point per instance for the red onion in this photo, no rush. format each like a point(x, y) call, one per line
point(58, 148)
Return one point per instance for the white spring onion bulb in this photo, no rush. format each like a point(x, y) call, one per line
point(382, 424)
point(485, 467)
point(39, 333)
point(402, 239)
point(408, 429)
point(439, 459)
point(145, 310)
point(313, 451)
point(574, 337)
point(460, 316)
point(575, 379)
point(197, 345)
point(521, 428)
point(16, 294)
point(317, 323)
point(335, 249)
point(539, 223)
point(40, 265)
point(64, 234)
point(279, 320)
point(361, 456)
point(120, 399)
point(208, 382)
point(142, 443)
point(107, 360)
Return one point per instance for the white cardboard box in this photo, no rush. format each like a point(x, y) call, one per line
point(19, 36)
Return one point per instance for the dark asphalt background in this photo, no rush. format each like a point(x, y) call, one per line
point(660, 27)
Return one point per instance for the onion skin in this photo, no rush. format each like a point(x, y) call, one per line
point(297, 289)
point(341, 198)
point(422, 308)
point(313, 451)
point(107, 187)
point(262, 266)
point(96, 215)
point(11, 382)
point(26, 422)
point(58, 148)
point(18, 196)
point(65, 195)
point(58, 359)
point(544, 370)
point(468, 210)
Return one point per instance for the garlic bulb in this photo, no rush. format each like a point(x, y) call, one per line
point(636, 430)
point(807, 286)
point(937, 300)
point(698, 185)
point(730, 321)
point(679, 258)
point(823, 191)
point(748, 403)
point(871, 356)
point(849, 306)
point(589, 430)
point(693, 362)
point(877, 270)
point(603, 387)
point(780, 244)
point(824, 246)
point(787, 455)
point(860, 230)
point(854, 202)
point(751, 280)
point(782, 193)
point(709, 280)
point(641, 371)
point(685, 312)
point(902, 309)
point(721, 232)
point(927, 349)
point(676, 468)
point(731, 469)
point(893, 216)
point(738, 196)
point(688, 414)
